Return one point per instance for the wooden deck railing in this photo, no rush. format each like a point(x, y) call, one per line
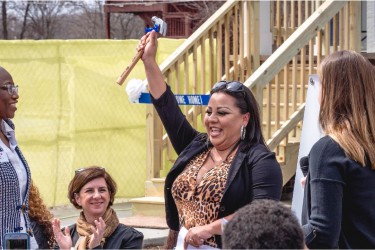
point(226, 47)
point(280, 83)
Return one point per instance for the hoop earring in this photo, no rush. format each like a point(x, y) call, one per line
point(243, 132)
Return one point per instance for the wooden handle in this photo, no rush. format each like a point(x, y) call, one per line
point(128, 69)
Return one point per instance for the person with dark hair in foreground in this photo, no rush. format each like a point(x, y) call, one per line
point(263, 224)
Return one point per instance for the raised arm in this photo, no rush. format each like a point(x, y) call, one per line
point(179, 130)
point(154, 76)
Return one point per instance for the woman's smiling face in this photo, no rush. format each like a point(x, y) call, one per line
point(223, 120)
point(94, 198)
point(7, 101)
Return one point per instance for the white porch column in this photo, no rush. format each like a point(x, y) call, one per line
point(370, 26)
point(265, 28)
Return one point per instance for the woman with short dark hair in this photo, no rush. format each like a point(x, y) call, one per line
point(93, 190)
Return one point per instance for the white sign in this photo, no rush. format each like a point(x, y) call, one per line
point(311, 133)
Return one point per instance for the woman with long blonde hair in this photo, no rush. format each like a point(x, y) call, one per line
point(340, 185)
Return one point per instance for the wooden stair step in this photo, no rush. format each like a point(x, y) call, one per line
point(290, 161)
point(148, 206)
point(155, 187)
point(145, 221)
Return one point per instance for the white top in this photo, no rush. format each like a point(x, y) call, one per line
point(20, 170)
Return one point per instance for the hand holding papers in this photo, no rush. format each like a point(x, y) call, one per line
point(181, 238)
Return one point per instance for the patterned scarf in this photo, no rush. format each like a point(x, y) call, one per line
point(84, 230)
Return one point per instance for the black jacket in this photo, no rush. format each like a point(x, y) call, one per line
point(123, 237)
point(339, 200)
point(39, 235)
point(254, 172)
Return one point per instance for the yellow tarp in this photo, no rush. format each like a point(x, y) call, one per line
point(72, 114)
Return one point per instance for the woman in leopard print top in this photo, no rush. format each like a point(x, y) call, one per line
point(216, 172)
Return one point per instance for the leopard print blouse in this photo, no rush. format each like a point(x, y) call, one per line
point(198, 203)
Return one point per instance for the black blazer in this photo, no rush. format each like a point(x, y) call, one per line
point(123, 237)
point(339, 201)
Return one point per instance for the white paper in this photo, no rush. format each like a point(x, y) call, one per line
point(181, 238)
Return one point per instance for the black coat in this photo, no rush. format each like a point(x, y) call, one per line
point(339, 201)
point(39, 235)
point(123, 237)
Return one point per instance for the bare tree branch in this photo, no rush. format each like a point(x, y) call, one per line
point(76, 19)
point(23, 29)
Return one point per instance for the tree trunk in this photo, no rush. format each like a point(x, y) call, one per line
point(25, 20)
point(4, 14)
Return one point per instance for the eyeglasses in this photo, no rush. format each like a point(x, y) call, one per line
point(234, 87)
point(12, 89)
point(94, 168)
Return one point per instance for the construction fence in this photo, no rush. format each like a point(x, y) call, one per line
point(72, 114)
